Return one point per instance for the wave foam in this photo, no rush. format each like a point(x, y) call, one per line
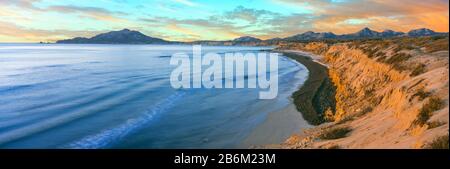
point(109, 136)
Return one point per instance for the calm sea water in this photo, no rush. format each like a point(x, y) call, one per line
point(119, 96)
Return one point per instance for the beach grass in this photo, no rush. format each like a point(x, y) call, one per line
point(439, 143)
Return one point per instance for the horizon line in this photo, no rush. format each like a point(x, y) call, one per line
point(54, 42)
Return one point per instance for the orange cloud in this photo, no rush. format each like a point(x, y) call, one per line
point(346, 16)
point(91, 12)
point(13, 33)
point(380, 14)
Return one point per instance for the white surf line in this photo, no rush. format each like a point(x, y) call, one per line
point(314, 57)
point(51, 122)
point(109, 136)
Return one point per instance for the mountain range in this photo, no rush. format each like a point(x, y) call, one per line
point(127, 36)
point(365, 33)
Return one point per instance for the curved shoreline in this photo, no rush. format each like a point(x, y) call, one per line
point(280, 124)
point(317, 93)
point(304, 103)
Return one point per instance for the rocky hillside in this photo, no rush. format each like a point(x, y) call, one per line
point(390, 93)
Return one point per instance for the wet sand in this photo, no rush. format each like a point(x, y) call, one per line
point(317, 93)
point(289, 118)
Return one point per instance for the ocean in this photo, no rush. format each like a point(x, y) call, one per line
point(120, 96)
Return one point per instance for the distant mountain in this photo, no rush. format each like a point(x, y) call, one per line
point(422, 32)
point(124, 36)
point(391, 33)
point(365, 33)
point(247, 39)
point(275, 39)
point(127, 36)
point(311, 36)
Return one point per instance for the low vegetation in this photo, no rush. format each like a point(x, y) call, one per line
point(353, 117)
point(430, 44)
point(334, 147)
point(434, 124)
point(422, 94)
point(397, 61)
point(439, 44)
point(439, 143)
point(335, 133)
point(399, 47)
point(419, 69)
point(433, 104)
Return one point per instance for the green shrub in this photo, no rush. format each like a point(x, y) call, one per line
point(419, 69)
point(380, 54)
point(370, 52)
point(397, 49)
point(346, 119)
point(439, 143)
point(437, 45)
point(435, 124)
point(398, 58)
point(354, 116)
point(433, 104)
point(422, 94)
point(335, 133)
point(397, 61)
point(334, 147)
point(365, 111)
point(438, 37)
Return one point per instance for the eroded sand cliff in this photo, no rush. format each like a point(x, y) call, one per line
point(389, 94)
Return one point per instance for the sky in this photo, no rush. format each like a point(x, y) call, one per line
point(189, 20)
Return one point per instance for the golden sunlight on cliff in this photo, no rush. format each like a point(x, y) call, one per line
point(389, 94)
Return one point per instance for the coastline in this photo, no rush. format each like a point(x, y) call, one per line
point(317, 93)
point(279, 124)
point(383, 105)
point(292, 118)
point(268, 132)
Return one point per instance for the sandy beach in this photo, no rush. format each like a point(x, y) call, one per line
point(317, 93)
point(289, 119)
point(292, 117)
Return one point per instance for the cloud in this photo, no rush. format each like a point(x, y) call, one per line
point(379, 14)
point(211, 28)
point(26, 4)
point(186, 2)
point(248, 14)
point(14, 33)
point(87, 12)
point(90, 12)
point(338, 16)
point(71, 8)
point(239, 21)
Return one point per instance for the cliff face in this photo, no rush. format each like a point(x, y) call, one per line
point(389, 94)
